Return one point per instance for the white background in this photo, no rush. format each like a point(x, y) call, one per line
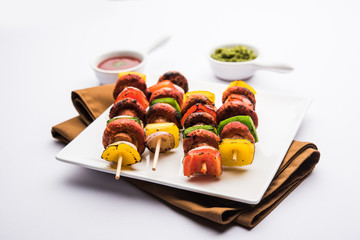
point(45, 49)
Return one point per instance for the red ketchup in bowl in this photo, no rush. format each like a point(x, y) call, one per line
point(119, 63)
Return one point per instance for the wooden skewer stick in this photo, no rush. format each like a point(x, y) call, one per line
point(234, 156)
point(156, 156)
point(203, 168)
point(118, 168)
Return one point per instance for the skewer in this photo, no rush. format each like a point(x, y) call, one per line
point(118, 168)
point(156, 156)
point(234, 156)
point(203, 168)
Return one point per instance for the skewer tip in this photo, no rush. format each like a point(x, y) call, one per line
point(118, 168)
point(203, 168)
point(156, 156)
point(234, 156)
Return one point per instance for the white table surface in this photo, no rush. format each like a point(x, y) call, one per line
point(45, 48)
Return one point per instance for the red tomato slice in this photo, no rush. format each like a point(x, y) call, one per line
point(133, 93)
point(198, 108)
point(205, 160)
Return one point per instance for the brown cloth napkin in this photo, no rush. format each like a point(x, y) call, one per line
point(298, 163)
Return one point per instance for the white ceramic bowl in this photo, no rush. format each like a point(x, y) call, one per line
point(111, 76)
point(231, 71)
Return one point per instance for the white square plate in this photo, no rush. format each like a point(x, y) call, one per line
point(279, 119)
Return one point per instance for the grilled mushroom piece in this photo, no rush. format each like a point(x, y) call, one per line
point(167, 141)
point(132, 80)
point(163, 112)
point(241, 98)
point(240, 91)
point(200, 137)
point(168, 93)
point(235, 108)
point(237, 130)
point(130, 107)
point(125, 129)
point(163, 84)
point(199, 118)
point(176, 78)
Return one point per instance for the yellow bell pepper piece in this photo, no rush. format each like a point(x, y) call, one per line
point(236, 152)
point(165, 127)
point(127, 150)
